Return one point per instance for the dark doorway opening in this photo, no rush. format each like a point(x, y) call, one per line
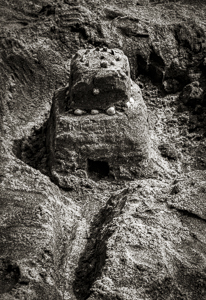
point(98, 168)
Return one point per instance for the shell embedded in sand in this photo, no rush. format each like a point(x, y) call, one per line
point(128, 104)
point(111, 111)
point(79, 112)
point(94, 112)
point(131, 100)
point(95, 91)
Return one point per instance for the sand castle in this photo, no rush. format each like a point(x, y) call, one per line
point(98, 123)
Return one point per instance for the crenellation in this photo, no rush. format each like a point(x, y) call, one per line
point(100, 78)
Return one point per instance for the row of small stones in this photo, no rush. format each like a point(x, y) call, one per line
point(103, 64)
point(110, 111)
point(104, 49)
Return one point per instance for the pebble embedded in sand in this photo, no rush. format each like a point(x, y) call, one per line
point(131, 100)
point(79, 112)
point(94, 112)
point(111, 111)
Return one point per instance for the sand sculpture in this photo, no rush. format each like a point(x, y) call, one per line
point(98, 123)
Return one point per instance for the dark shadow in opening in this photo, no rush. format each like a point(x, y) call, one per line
point(98, 168)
